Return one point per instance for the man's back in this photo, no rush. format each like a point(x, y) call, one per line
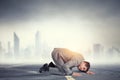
point(67, 54)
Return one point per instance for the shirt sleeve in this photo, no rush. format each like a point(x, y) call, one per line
point(67, 66)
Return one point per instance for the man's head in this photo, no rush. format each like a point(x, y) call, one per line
point(84, 66)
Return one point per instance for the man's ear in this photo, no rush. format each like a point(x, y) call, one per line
point(90, 72)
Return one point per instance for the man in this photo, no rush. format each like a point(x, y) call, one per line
point(65, 60)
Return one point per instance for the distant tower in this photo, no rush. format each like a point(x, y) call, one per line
point(1, 48)
point(9, 49)
point(113, 51)
point(16, 44)
point(37, 42)
point(98, 50)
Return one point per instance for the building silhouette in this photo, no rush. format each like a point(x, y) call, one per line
point(9, 48)
point(16, 44)
point(37, 43)
point(98, 50)
point(113, 51)
point(1, 49)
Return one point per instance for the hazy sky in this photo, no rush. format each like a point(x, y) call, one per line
point(75, 24)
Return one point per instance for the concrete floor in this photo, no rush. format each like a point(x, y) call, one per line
point(30, 72)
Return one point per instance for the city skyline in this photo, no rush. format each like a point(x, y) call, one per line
point(41, 52)
point(96, 48)
point(38, 41)
point(73, 24)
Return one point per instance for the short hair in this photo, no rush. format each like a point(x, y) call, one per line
point(87, 64)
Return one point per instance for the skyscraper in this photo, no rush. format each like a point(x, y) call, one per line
point(98, 50)
point(37, 43)
point(1, 48)
point(9, 51)
point(113, 51)
point(16, 44)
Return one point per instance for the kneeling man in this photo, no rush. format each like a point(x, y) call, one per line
point(65, 60)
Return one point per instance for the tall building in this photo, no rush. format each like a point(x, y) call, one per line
point(9, 47)
point(37, 43)
point(98, 50)
point(1, 48)
point(16, 44)
point(113, 51)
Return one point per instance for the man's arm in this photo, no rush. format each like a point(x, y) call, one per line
point(90, 72)
point(68, 71)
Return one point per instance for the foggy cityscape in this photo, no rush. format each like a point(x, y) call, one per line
point(40, 52)
point(31, 29)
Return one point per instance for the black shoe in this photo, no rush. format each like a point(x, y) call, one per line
point(44, 68)
point(51, 65)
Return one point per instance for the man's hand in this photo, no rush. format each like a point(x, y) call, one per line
point(90, 72)
point(75, 74)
